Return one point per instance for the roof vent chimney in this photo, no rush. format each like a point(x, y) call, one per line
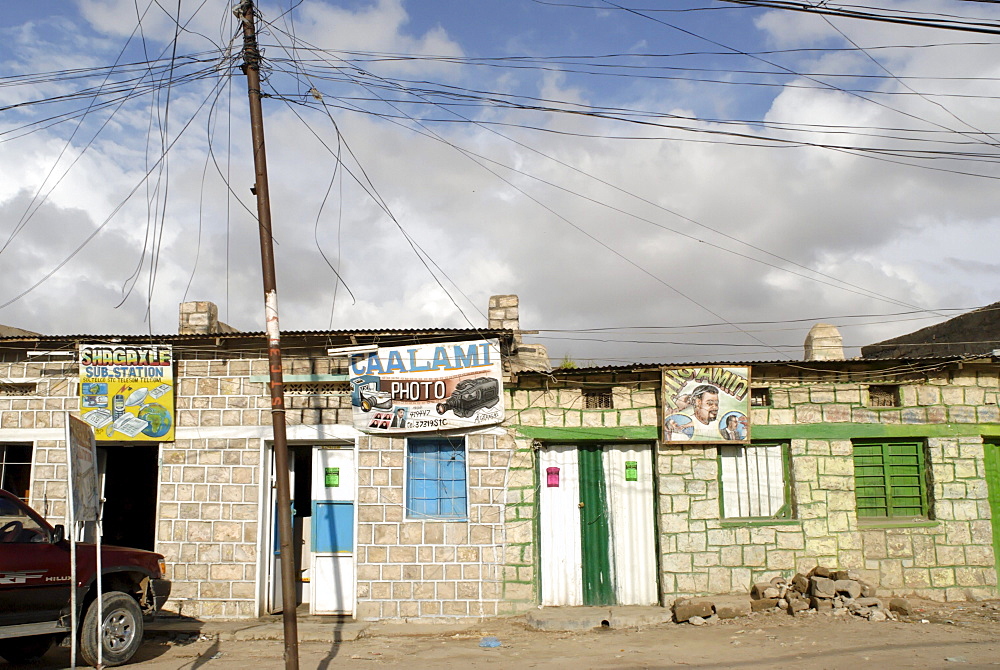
point(201, 318)
point(824, 343)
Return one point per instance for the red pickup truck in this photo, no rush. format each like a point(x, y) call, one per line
point(35, 590)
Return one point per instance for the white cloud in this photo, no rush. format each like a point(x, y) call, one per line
point(912, 234)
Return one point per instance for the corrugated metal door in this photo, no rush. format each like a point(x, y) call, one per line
point(559, 498)
point(598, 585)
point(629, 471)
point(991, 453)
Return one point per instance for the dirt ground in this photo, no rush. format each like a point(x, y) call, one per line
point(960, 635)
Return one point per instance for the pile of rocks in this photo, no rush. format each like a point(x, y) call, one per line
point(826, 590)
point(708, 609)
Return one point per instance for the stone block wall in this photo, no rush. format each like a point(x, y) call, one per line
point(207, 525)
point(544, 403)
point(51, 389)
point(210, 488)
point(950, 556)
point(519, 584)
point(48, 481)
point(410, 568)
point(954, 559)
point(38, 418)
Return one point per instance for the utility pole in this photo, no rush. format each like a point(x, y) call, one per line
point(251, 67)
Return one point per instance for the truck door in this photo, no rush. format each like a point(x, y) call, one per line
point(34, 573)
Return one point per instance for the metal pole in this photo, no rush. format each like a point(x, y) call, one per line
point(251, 67)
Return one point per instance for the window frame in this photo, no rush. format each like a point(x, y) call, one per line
point(785, 511)
point(921, 479)
point(891, 392)
point(457, 478)
point(760, 396)
point(6, 470)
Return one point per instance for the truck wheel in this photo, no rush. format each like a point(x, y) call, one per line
point(25, 649)
point(121, 629)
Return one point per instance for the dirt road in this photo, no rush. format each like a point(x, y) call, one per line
point(937, 636)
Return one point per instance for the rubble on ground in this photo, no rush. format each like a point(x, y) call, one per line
point(835, 592)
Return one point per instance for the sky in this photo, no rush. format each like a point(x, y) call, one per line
point(657, 182)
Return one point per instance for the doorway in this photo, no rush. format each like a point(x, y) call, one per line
point(129, 479)
point(598, 542)
point(323, 490)
point(299, 475)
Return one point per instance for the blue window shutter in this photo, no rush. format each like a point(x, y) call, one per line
point(436, 481)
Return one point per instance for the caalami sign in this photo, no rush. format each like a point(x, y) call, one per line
point(428, 388)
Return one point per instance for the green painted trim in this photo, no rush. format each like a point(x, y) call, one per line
point(583, 434)
point(754, 523)
point(302, 378)
point(536, 528)
point(867, 525)
point(991, 461)
point(848, 431)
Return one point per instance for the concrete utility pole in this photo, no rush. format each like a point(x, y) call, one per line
point(251, 67)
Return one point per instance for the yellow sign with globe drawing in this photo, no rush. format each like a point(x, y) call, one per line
point(127, 391)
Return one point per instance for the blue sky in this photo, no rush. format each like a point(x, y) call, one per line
point(659, 207)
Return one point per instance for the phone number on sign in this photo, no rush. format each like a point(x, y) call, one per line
point(426, 423)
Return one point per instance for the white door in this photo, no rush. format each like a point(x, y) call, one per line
point(628, 472)
point(559, 502)
point(332, 531)
point(274, 603)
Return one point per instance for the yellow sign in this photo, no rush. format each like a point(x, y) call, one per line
point(127, 391)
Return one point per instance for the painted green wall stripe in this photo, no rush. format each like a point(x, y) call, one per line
point(602, 433)
point(991, 460)
point(829, 431)
point(848, 431)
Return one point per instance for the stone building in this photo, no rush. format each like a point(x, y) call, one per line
point(205, 498)
point(880, 466)
point(885, 467)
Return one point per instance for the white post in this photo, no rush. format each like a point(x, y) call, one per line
point(99, 529)
point(71, 525)
point(82, 505)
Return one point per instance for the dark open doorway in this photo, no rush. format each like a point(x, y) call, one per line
point(301, 520)
point(131, 479)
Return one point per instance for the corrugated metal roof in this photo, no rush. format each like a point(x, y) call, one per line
point(635, 367)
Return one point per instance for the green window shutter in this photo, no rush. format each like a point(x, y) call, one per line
point(890, 479)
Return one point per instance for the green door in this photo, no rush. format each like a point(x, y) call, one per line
point(991, 453)
point(598, 588)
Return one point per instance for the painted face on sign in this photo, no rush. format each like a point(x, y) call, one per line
point(706, 407)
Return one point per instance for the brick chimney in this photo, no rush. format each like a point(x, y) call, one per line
point(824, 343)
point(504, 314)
point(201, 318)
